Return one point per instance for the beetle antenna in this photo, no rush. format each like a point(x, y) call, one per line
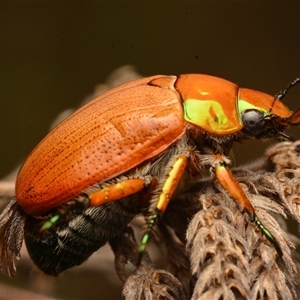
point(284, 92)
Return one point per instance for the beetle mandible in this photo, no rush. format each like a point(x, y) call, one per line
point(83, 182)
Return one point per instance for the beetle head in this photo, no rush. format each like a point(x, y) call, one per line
point(266, 118)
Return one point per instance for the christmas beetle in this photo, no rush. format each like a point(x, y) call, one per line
point(146, 139)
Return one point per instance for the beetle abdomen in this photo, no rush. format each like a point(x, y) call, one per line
point(73, 242)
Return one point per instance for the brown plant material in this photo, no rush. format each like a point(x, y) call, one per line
point(146, 282)
point(223, 255)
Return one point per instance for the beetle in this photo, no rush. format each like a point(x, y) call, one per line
point(146, 139)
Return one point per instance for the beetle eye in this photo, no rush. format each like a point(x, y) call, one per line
point(253, 121)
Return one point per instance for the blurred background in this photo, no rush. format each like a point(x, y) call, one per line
point(52, 55)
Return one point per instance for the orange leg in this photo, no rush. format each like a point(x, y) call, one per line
point(168, 190)
point(116, 191)
point(111, 192)
point(233, 188)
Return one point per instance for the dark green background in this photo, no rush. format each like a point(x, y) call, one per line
point(52, 54)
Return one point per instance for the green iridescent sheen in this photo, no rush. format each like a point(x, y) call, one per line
point(50, 222)
point(244, 105)
point(198, 112)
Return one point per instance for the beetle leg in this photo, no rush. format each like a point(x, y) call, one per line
point(116, 191)
point(168, 190)
point(109, 193)
point(233, 188)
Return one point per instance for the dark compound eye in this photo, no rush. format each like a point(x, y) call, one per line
point(253, 121)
